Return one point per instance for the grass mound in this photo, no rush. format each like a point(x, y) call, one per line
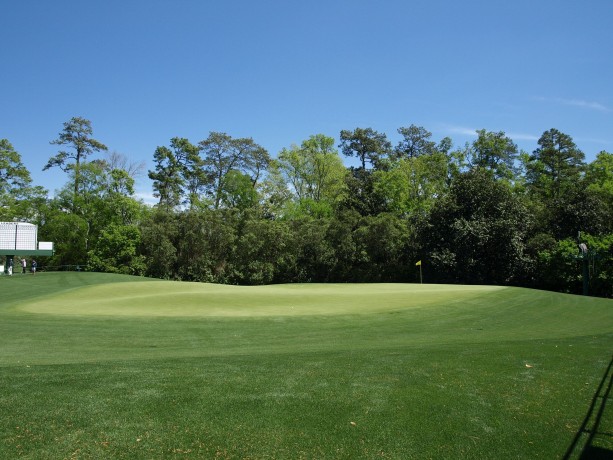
point(168, 298)
point(111, 366)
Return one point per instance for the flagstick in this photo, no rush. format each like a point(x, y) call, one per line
point(420, 278)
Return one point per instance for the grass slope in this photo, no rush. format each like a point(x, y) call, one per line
point(109, 366)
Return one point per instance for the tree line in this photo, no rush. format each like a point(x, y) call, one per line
point(229, 212)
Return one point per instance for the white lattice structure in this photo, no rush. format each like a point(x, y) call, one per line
point(18, 236)
point(19, 239)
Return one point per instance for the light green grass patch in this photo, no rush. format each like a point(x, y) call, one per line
point(168, 298)
point(109, 366)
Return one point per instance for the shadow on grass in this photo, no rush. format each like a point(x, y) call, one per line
point(587, 444)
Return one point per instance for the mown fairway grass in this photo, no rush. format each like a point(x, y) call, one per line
point(108, 366)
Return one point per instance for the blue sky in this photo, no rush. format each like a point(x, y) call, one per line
point(144, 71)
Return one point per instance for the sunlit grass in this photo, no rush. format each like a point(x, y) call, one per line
point(104, 366)
point(167, 298)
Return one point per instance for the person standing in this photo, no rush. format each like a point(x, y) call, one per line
point(23, 266)
point(10, 266)
point(33, 267)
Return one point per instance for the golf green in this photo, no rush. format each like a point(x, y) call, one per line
point(110, 366)
point(168, 298)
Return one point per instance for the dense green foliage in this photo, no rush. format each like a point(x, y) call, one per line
point(483, 213)
point(98, 365)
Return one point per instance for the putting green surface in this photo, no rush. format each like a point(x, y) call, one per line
point(167, 298)
point(109, 366)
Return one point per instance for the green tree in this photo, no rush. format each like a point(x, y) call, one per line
point(191, 169)
point(76, 136)
point(599, 183)
point(205, 242)
point(172, 173)
point(315, 174)
point(349, 256)
point(555, 165)
point(222, 154)
point(496, 152)
point(294, 167)
point(557, 266)
point(159, 232)
point(116, 251)
point(415, 142)
point(599, 173)
point(383, 242)
point(556, 185)
point(312, 251)
point(190, 245)
point(14, 176)
point(363, 195)
point(370, 146)
point(19, 200)
point(104, 200)
point(476, 233)
point(116, 216)
point(457, 163)
point(256, 159)
point(117, 197)
point(68, 231)
point(366, 144)
point(167, 178)
point(264, 252)
point(413, 184)
point(579, 209)
point(275, 193)
point(88, 203)
point(238, 191)
point(601, 269)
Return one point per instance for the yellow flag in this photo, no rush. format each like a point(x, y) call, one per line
point(418, 263)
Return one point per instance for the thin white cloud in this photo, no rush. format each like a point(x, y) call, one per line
point(592, 140)
point(582, 103)
point(454, 129)
point(585, 104)
point(463, 130)
point(523, 137)
point(147, 197)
